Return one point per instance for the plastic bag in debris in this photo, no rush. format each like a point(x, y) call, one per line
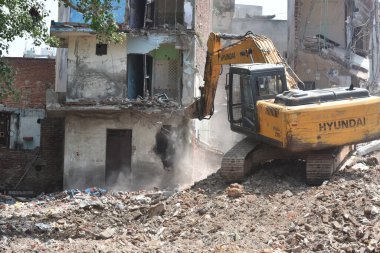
point(72, 192)
point(94, 191)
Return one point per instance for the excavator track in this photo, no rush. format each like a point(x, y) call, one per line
point(235, 167)
point(239, 161)
point(321, 165)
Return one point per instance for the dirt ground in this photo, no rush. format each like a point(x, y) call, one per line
point(274, 210)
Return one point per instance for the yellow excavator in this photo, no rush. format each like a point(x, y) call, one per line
point(280, 120)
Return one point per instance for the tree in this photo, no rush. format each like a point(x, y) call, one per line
point(25, 18)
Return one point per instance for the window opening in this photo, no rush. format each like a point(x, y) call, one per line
point(269, 85)
point(169, 13)
point(4, 129)
point(101, 49)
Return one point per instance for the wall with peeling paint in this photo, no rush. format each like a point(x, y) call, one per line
point(91, 76)
point(323, 17)
point(324, 72)
point(25, 128)
point(145, 44)
point(85, 144)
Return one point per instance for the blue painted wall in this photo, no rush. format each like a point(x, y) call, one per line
point(119, 12)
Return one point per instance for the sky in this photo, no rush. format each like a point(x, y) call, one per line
point(270, 7)
point(17, 47)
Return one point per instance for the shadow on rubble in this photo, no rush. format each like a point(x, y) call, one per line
point(267, 179)
point(279, 176)
point(40, 226)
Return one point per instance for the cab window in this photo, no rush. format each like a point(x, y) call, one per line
point(269, 85)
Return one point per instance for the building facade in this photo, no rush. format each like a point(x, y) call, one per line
point(329, 41)
point(123, 103)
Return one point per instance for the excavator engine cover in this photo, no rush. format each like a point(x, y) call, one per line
point(299, 97)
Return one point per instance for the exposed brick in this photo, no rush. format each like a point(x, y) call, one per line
point(33, 77)
point(39, 170)
point(46, 173)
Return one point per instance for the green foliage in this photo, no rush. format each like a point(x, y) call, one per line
point(18, 18)
point(6, 79)
point(25, 19)
point(98, 13)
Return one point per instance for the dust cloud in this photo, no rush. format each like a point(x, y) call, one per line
point(178, 162)
point(180, 159)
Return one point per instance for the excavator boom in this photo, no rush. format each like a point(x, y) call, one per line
point(250, 48)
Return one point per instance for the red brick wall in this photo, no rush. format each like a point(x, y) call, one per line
point(33, 77)
point(46, 172)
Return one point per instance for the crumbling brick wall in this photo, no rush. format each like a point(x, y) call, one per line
point(203, 26)
point(297, 30)
point(35, 171)
point(33, 77)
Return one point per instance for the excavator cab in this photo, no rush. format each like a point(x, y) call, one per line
point(248, 83)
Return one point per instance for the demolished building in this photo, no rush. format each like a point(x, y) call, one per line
point(122, 103)
point(329, 41)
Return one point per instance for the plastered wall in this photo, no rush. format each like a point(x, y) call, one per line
point(85, 144)
point(91, 76)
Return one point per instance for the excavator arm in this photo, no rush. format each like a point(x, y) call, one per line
point(250, 48)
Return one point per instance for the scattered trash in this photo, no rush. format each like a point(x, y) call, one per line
point(5, 199)
point(93, 191)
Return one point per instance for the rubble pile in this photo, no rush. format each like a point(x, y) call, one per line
point(160, 100)
point(272, 211)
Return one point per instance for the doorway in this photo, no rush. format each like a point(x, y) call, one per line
point(139, 75)
point(118, 155)
point(5, 119)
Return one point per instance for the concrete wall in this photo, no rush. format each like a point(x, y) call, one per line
point(85, 146)
point(276, 30)
point(246, 11)
point(323, 17)
point(98, 77)
point(91, 76)
point(26, 128)
point(324, 72)
point(306, 20)
point(222, 14)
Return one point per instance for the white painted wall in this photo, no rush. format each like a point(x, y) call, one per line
point(93, 76)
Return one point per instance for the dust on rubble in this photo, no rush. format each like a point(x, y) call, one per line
point(272, 211)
